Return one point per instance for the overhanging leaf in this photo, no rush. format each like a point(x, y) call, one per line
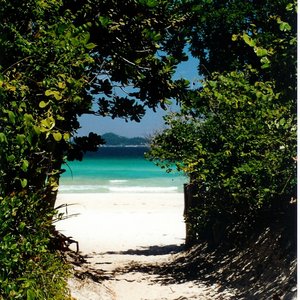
point(90, 46)
point(248, 40)
point(261, 51)
point(57, 95)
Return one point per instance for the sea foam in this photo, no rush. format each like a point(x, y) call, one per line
point(78, 188)
point(117, 181)
point(141, 189)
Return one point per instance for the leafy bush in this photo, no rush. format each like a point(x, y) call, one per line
point(236, 136)
point(237, 143)
point(29, 269)
point(55, 55)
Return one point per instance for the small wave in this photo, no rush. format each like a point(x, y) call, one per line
point(118, 181)
point(140, 189)
point(116, 189)
point(68, 188)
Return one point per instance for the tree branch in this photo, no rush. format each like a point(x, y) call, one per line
point(19, 61)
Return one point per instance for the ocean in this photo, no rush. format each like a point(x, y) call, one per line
point(119, 170)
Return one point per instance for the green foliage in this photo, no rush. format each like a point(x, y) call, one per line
point(29, 269)
point(236, 136)
point(240, 139)
point(55, 56)
point(43, 61)
point(213, 23)
point(131, 37)
point(42, 78)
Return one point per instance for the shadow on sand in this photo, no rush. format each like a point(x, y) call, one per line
point(150, 251)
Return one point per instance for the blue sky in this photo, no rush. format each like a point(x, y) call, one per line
point(152, 121)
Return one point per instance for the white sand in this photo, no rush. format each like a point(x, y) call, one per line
point(108, 225)
point(119, 222)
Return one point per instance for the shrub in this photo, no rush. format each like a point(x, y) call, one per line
point(29, 269)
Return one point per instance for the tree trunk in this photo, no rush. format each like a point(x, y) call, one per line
point(189, 203)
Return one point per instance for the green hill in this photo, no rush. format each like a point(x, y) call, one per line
point(113, 139)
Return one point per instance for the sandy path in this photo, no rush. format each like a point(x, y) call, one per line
point(119, 231)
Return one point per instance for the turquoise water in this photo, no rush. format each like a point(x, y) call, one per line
point(118, 170)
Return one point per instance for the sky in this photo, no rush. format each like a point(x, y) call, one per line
point(151, 122)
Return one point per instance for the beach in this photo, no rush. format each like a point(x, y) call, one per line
point(120, 231)
point(122, 221)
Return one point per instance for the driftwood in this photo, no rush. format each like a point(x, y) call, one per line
point(62, 243)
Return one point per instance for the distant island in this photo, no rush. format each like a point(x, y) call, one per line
point(113, 139)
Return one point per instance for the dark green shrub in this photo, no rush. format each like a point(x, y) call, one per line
point(236, 136)
point(29, 269)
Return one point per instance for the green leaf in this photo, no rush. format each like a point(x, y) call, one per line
point(10, 87)
point(57, 95)
point(3, 138)
point(28, 119)
point(10, 158)
point(61, 28)
point(48, 92)
point(265, 62)
point(22, 226)
point(261, 51)
point(11, 116)
point(60, 118)
point(90, 46)
point(54, 186)
point(23, 182)
point(248, 40)
point(282, 122)
point(61, 85)
point(57, 136)
point(37, 129)
point(285, 26)
point(43, 104)
point(25, 165)
point(149, 3)
point(290, 7)
point(104, 21)
point(66, 136)
point(47, 124)
point(20, 139)
point(86, 37)
point(234, 37)
point(30, 295)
